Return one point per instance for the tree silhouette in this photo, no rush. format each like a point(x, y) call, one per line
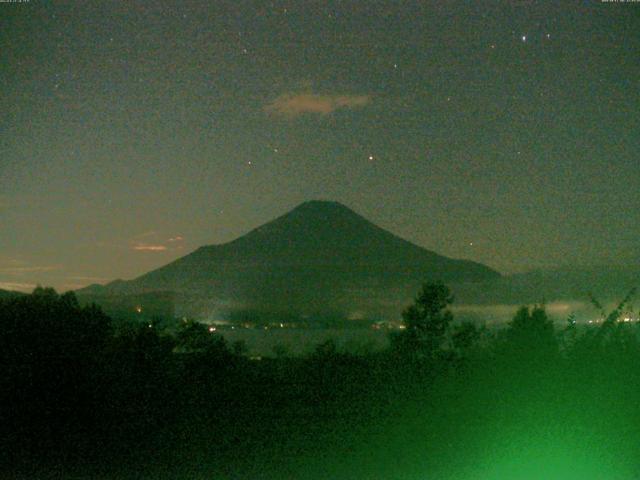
point(427, 321)
point(465, 336)
point(51, 350)
point(531, 336)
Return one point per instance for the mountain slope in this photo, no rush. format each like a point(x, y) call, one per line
point(321, 254)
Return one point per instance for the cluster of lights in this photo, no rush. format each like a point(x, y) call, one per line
point(388, 326)
point(524, 38)
point(620, 320)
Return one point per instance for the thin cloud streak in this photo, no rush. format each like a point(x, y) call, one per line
point(23, 287)
point(34, 269)
point(145, 234)
point(149, 248)
point(294, 105)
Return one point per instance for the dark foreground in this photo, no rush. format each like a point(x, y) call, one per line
point(83, 396)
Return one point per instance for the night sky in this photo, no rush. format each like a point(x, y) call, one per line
point(134, 132)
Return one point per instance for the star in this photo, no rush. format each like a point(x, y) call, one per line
point(370, 157)
point(524, 38)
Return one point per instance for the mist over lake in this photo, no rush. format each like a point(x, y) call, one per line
point(358, 338)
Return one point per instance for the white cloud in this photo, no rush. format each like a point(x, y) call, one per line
point(295, 104)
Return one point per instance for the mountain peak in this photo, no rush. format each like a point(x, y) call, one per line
point(313, 221)
point(319, 255)
point(321, 204)
point(324, 207)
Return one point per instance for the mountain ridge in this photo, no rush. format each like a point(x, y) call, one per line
point(319, 254)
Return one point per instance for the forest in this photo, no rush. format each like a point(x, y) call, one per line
point(83, 395)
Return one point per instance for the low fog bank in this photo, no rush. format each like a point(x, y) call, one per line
point(566, 285)
point(364, 337)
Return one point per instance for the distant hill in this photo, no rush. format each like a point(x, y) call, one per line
point(606, 283)
point(147, 306)
point(9, 294)
point(321, 256)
